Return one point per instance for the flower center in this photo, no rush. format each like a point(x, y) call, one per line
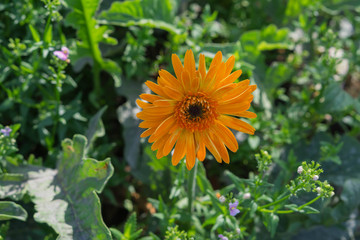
point(196, 112)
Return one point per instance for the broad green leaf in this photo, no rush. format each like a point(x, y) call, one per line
point(11, 210)
point(65, 198)
point(274, 38)
point(147, 13)
point(276, 75)
point(336, 99)
point(351, 192)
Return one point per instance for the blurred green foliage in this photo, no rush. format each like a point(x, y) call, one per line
point(304, 57)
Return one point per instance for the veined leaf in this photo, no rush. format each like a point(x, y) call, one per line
point(11, 210)
point(150, 13)
point(64, 197)
point(89, 32)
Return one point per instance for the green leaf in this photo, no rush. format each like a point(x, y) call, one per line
point(96, 128)
point(273, 38)
point(146, 13)
point(89, 33)
point(48, 35)
point(11, 210)
point(271, 222)
point(336, 99)
point(276, 75)
point(116, 234)
point(34, 33)
point(351, 192)
point(310, 210)
point(130, 226)
point(65, 198)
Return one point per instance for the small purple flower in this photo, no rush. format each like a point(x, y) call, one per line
point(222, 237)
point(233, 208)
point(63, 54)
point(6, 131)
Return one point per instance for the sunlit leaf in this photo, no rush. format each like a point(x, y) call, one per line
point(65, 198)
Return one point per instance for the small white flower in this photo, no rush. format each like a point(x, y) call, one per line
point(222, 199)
point(318, 189)
point(247, 196)
point(315, 177)
point(332, 194)
point(300, 169)
point(238, 230)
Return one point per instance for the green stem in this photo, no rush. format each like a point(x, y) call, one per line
point(192, 187)
point(289, 211)
point(274, 203)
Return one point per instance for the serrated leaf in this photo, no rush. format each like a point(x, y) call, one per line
point(146, 13)
point(11, 210)
point(64, 197)
point(130, 226)
point(117, 235)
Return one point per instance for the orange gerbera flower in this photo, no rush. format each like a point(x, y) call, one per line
point(194, 110)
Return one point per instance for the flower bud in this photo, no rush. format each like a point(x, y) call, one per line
point(222, 199)
point(300, 169)
point(247, 196)
point(315, 177)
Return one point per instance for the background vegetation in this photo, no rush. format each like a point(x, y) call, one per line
point(303, 55)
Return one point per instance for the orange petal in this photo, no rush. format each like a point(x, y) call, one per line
point(171, 142)
point(229, 65)
point(201, 150)
point(149, 97)
point(142, 104)
point(232, 108)
point(149, 124)
point(190, 150)
point(148, 132)
point(179, 151)
point(211, 146)
point(158, 143)
point(216, 60)
point(220, 74)
point(155, 88)
point(221, 148)
point(202, 67)
point(242, 96)
point(189, 62)
point(177, 65)
point(236, 124)
point(231, 78)
point(162, 129)
point(226, 136)
point(247, 114)
point(185, 79)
